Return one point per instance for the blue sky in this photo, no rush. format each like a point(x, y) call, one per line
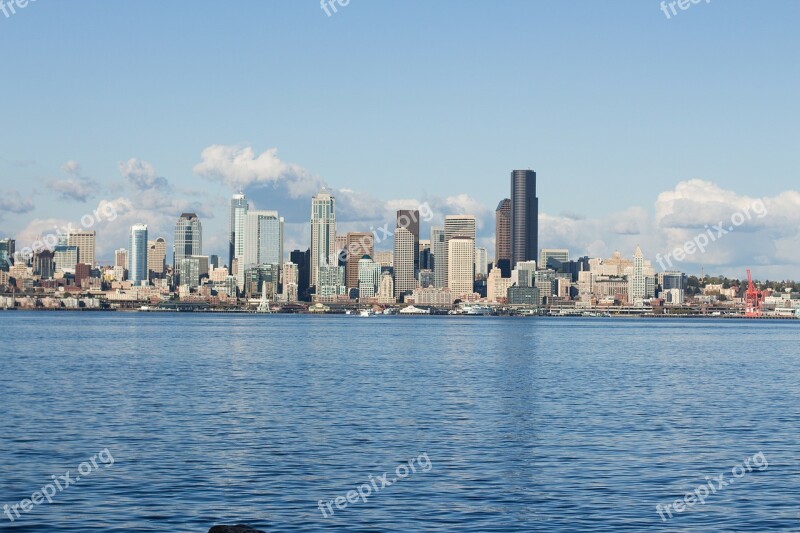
point(610, 102)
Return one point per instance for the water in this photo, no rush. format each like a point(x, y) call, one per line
point(529, 424)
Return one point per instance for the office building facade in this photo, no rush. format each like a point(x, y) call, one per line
point(323, 234)
point(85, 242)
point(137, 255)
point(524, 217)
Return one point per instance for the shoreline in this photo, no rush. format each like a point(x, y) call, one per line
point(426, 315)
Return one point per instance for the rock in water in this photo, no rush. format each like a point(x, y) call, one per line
point(234, 529)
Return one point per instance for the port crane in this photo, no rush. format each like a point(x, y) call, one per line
point(753, 300)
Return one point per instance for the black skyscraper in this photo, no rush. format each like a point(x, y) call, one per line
point(303, 262)
point(524, 217)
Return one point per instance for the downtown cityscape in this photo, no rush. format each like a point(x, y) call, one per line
point(400, 266)
point(429, 269)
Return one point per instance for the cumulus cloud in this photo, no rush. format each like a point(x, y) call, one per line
point(77, 187)
point(765, 231)
point(142, 175)
point(80, 190)
point(13, 202)
point(240, 167)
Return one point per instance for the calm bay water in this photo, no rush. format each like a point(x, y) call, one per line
point(529, 424)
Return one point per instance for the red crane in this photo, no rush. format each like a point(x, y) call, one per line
point(753, 299)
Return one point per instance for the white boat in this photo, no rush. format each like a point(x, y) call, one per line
point(367, 312)
point(411, 310)
point(480, 310)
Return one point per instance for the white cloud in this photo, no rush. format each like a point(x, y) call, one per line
point(13, 202)
point(767, 240)
point(77, 187)
point(142, 175)
point(240, 167)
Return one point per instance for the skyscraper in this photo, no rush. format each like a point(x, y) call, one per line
point(369, 276)
point(65, 258)
point(460, 266)
point(559, 254)
point(438, 257)
point(137, 255)
point(409, 219)
point(157, 257)
point(323, 233)
point(502, 250)
point(357, 246)
point(121, 258)
point(236, 226)
point(191, 268)
point(404, 280)
point(43, 264)
point(85, 241)
point(425, 262)
point(7, 250)
point(188, 241)
point(289, 278)
point(524, 217)
point(457, 226)
point(636, 283)
point(263, 239)
point(481, 263)
point(303, 261)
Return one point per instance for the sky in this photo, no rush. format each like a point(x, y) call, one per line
point(643, 129)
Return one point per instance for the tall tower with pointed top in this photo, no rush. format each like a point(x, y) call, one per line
point(323, 233)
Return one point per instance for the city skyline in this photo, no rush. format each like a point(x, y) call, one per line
point(347, 264)
point(623, 153)
point(241, 206)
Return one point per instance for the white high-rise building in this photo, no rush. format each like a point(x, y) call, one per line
point(636, 282)
point(323, 234)
point(404, 246)
point(369, 277)
point(461, 266)
point(481, 263)
point(458, 226)
point(236, 224)
point(137, 255)
point(263, 239)
point(85, 241)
